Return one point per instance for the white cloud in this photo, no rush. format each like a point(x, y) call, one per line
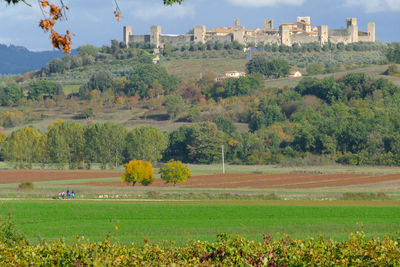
point(261, 3)
point(372, 6)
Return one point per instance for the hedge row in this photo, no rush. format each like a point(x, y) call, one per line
point(227, 251)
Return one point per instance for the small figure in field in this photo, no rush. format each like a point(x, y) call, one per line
point(68, 194)
point(73, 195)
point(63, 195)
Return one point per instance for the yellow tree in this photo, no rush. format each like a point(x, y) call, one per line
point(175, 172)
point(138, 171)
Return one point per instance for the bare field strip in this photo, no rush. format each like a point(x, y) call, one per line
point(217, 181)
point(265, 181)
point(19, 176)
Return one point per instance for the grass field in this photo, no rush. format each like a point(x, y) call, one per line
point(181, 222)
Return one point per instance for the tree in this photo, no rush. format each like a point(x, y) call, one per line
point(393, 53)
point(266, 115)
point(177, 145)
point(145, 76)
point(275, 68)
point(175, 172)
point(100, 80)
point(225, 124)
point(88, 50)
point(138, 171)
point(105, 144)
point(10, 94)
point(24, 146)
point(2, 140)
point(65, 143)
point(315, 69)
point(175, 105)
point(42, 88)
point(205, 143)
point(53, 13)
point(145, 143)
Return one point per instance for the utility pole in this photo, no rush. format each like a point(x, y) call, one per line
point(223, 163)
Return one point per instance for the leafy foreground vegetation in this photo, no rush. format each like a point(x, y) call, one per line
point(227, 250)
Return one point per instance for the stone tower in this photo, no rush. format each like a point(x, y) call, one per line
point(155, 34)
point(200, 34)
point(350, 22)
point(352, 29)
point(127, 33)
point(284, 31)
point(237, 22)
point(371, 31)
point(304, 19)
point(323, 34)
point(238, 34)
point(268, 25)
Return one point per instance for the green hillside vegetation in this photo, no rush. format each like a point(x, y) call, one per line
point(347, 117)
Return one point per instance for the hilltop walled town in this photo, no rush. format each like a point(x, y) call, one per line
point(287, 34)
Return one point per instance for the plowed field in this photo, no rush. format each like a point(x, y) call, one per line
point(256, 181)
point(19, 176)
point(264, 181)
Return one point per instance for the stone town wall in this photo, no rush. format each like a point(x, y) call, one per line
point(139, 39)
point(178, 40)
point(286, 34)
point(216, 38)
point(303, 38)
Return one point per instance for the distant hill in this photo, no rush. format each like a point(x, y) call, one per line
point(18, 59)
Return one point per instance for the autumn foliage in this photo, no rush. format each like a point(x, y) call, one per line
point(175, 172)
point(53, 13)
point(228, 250)
point(138, 171)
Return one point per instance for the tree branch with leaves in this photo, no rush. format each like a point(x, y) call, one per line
point(56, 12)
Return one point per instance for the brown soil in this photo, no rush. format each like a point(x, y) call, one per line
point(263, 181)
point(19, 176)
point(229, 181)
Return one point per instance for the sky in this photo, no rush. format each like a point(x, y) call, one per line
point(92, 21)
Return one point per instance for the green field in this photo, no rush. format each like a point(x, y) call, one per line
point(180, 222)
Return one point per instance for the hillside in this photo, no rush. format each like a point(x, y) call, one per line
point(346, 112)
point(18, 60)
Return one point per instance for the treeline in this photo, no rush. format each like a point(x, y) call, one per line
point(352, 120)
point(393, 53)
point(12, 93)
point(143, 80)
point(78, 146)
point(268, 47)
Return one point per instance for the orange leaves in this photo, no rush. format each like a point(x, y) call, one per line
point(47, 24)
point(117, 12)
point(53, 13)
point(117, 15)
point(62, 42)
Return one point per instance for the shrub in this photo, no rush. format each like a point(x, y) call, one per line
point(138, 171)
point(8, 235)
point(364, 196)
point(175, 172)
point(227, 250)
point(26, 186)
